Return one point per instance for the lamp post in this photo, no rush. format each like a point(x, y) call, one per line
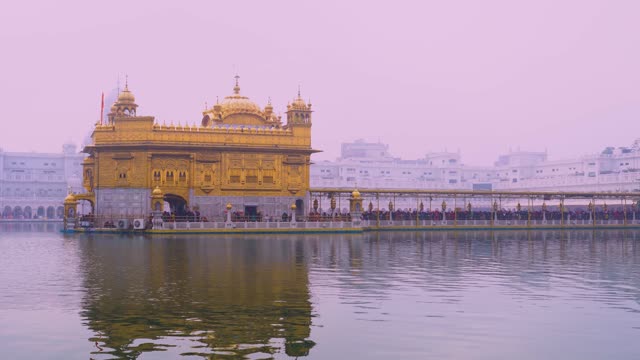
point(332, 204)
point(228, 222)
point(495, 210)
point(444, 208)
point(544, 212)
point(378, 210)
point(390, 210)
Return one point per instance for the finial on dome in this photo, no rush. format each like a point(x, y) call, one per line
point(126, 82)
point(269, 100)
point(298, 91)
point(236, 89)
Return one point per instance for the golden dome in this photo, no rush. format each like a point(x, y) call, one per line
point(126, 96)
point(355, 194)
point(293, 206)
point(238, 104)
point(70, 198)
point(298, 103)
point(157, 191)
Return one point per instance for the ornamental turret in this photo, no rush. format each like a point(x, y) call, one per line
point(124, 106)
point(299, 112)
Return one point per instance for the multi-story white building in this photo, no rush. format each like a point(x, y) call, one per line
point(370, 165)
point(34, 185)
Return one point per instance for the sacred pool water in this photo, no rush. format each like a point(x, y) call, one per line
point(395, 295)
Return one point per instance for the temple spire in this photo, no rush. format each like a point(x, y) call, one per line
point(236, 89)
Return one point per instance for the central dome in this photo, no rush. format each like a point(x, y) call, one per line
point(236, 103)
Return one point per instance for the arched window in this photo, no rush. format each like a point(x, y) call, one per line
point(6, 213)
point(51, 212)
point(17, 212)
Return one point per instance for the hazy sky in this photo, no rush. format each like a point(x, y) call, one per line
point(478, 76)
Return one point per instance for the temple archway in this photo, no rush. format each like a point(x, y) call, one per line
point(17, 212)
point(299, 207)
point(177, 204)
point(60, 212)
point(6, 213)
point(40, 212)
point(28, 212)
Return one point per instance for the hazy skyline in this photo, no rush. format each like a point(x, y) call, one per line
point(478, 77)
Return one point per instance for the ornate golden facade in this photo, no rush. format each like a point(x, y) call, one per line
point(240, 154)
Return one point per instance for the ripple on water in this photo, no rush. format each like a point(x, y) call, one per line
point(389, 295)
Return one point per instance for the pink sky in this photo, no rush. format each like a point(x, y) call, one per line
point(478, 76)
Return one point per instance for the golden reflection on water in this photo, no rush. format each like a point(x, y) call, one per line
point(230, 296)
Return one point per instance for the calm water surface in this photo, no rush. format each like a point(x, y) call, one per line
point(445, 295)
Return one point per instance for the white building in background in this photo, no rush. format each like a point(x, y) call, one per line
point(34, 185)
point(370, 165)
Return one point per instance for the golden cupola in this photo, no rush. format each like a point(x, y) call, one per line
point(125, 105)
point(299, 112)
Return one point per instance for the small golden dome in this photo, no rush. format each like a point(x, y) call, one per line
point(157, 191)
point(293, 206)
point(126, 96)
point(355, 194)
point(229, 206)
point(299, 104)
point(114, 108)
point(70, 198)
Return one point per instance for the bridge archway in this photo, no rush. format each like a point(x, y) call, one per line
point(177, 204)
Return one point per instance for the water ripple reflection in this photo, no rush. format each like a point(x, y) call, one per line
point(479, 295)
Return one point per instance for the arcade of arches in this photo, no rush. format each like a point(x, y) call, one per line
point(32, 212)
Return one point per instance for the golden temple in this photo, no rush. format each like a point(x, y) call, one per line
point(240, 154)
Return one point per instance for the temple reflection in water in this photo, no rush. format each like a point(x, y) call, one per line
point(251, 296)
point(227, 296)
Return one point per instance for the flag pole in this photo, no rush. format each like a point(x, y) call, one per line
point(102, 108)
